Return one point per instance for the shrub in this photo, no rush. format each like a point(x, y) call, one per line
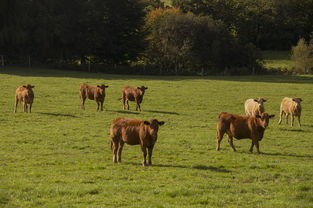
point(302, 55)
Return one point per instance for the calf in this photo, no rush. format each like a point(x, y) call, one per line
point(290, 106)
point(254, 107)
point(25, 95)
point(241, 127)
point(96, 93)
point(133, 94)
point(134, 132)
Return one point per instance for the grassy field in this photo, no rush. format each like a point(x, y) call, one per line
point(59, 156)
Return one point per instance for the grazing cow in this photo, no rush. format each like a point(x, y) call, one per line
point(290, 106)
point(133, 94)
point(25, 95)
point(254, 107)
point(134, 132)
point(96, 93)
point(241, 127)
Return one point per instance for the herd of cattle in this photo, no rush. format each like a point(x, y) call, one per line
point(144, 133)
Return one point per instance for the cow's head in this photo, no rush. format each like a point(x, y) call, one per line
point(142, 89)
point(29, 87)
point(260, 100)
point(297, 100)
point(101, 88)
point(154, 127)
point(263, 119)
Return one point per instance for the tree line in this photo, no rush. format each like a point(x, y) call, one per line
point(190, 37)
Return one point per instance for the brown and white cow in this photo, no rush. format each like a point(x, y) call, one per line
point(134, 132)
point(91, 92)
point(241, 127)
point(24, 94)
point(133, 94)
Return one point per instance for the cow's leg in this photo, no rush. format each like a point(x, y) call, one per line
point(299, 121)
point(114, 149)
point(30, 107)
point(16, 103)
point(83, 99)
point(230, 141)
point(286, 116)
point(150, 149)
point(280, 117)
point(119, 151)
point(292, 119)
point(251, 147)
point(144, 155)
point(24, 107)
point(101, 105)
point(98, 104)
point(256, 143)
point(127, 104)
point(219, 136)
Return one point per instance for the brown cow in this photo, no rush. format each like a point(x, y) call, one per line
point(241, 127)
point(96, 93)
point(24, 94)
point(133, 94)
point(290, 106)
point(134, 132)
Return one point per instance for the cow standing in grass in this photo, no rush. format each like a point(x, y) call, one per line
point(290, 106)
point(25, 95)
point(254, 107)
point(133, 94)
point(134, 132)
point(241, 127)
point(96, 93)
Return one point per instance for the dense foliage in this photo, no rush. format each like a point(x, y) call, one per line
point(216, 36)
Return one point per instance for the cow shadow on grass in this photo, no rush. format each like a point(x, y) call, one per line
point(194, 167)
point(58, 114)
point(162, 112)
point(287, 155)
point(126, 112)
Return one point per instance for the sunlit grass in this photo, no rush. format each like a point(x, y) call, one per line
point(59, 155)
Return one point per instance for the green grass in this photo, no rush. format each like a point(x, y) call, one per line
point(59, 156)
point(278, 60)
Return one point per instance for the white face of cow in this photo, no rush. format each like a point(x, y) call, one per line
point(263, 119)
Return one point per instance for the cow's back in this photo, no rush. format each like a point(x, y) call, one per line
point(129, 93)
point(127, 130)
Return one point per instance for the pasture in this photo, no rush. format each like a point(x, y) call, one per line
point(59, 155)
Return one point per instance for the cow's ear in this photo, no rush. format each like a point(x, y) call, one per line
point(255, 100)
point(146, 88)
point(24, 86)
point(106, 86)
point(300, 99)
point(146, 122)
point(264, 100)
point(161, 123)
point(32, 86)
point(271, 116)
point(99, 86)
point(258, 116)
point(138, 88)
